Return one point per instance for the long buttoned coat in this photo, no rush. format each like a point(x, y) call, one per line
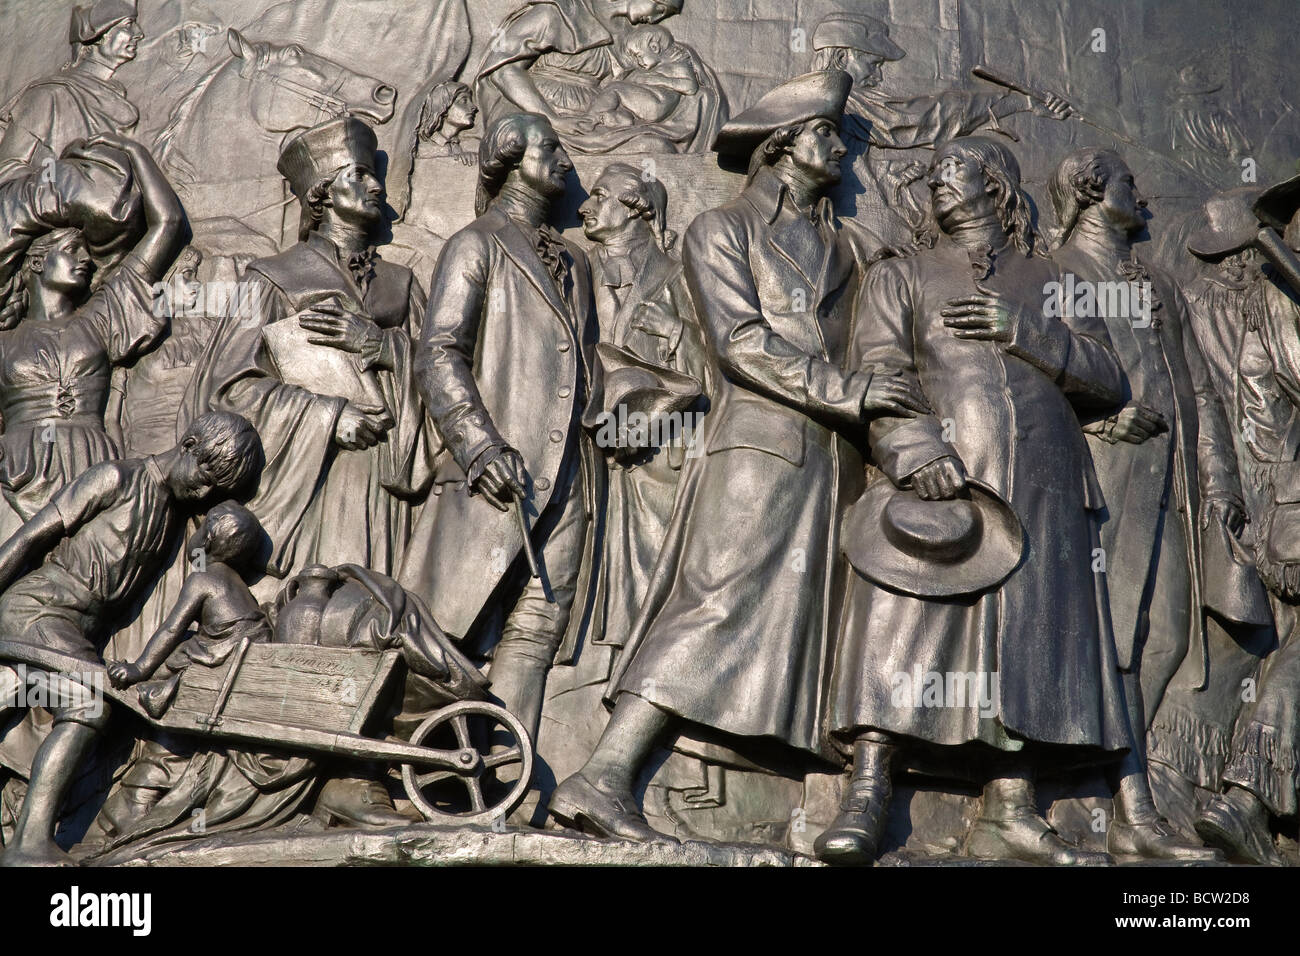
point(1166, 372)
point(504, 360)
point(1041, 642)
point(640, 496)
point(734, 631)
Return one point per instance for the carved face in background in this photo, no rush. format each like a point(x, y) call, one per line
point(865, 68)
point(185, 280)
point(545, 165)
point(67, 266)
point(817, 151)
point(604, 215)
point(357, 196)
point(461, 114)
point(959, 190)
point(1121, 203)
point(650, 11)
point(120, 44)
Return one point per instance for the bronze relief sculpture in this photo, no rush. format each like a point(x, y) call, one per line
point(378, 464)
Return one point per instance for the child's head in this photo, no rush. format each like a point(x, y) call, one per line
point(647, 45)
point(221, 455)
point(230, 534)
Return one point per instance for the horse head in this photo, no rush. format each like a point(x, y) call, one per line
point(258, 96)
point(292, 88)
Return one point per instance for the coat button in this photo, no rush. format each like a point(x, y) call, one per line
point(557, 436)
point(565, 391)
point(562, 347)
point(542, 484)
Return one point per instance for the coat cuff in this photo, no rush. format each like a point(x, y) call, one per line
point(468, 436)
point(910, 447)
point(1045, 345)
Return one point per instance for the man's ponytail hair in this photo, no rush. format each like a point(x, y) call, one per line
point(648, 199)
point(1079, 182)
point(773, 148)
point(500, 152)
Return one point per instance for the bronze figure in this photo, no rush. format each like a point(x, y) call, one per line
point(504, 370)
point(772, 276)
point(963, 320)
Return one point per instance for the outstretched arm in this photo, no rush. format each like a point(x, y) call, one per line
point(29, 544)
point(75, 504)
point(168, 637)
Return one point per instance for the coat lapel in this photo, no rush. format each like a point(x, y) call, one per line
point(779, 238)
point(837, 265)
point(521, 252)
point(654, 272)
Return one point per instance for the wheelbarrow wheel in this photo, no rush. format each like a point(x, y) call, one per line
point(492, 790)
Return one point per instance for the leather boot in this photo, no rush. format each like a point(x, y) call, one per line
point(579, 804)
point(1237, 821)
point(853, 838)
point(1010, 828)
point(360, 802)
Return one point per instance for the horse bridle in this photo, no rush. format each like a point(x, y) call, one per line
point(324, 102)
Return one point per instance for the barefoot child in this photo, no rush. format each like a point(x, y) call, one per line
point(103, 539)
point(216, 599)
point(651, 92)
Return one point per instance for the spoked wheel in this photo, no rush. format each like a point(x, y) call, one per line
point(491, 790)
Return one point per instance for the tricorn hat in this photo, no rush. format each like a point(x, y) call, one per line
point(1277, 204)
point(932, 549)
point(323, 150)
point(1233, 589)
point(856, 31)
point(92, 22)
point(622, 379)
point(1229, 224)
point(811, 96)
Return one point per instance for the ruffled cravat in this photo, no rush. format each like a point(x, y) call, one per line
point(362, 266)
point(1136, 272)
point(550, 249)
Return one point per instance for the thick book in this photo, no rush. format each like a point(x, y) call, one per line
point(321, 369)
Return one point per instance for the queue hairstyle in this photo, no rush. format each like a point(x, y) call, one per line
point(648, 199)
point(500, 152)
point(313, 206)
point(774, 147)
point(1078, 182)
